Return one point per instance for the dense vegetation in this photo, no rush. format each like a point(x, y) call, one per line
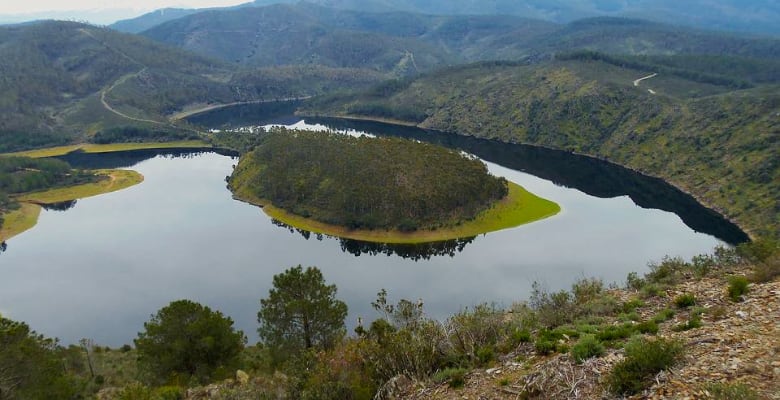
point(22, 174)
point(366, 183)
point(405, 44)
point(57, 76)
point(712, 141)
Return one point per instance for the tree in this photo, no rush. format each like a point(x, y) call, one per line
point(30, 365)
point(301, 312)
point(188, 340)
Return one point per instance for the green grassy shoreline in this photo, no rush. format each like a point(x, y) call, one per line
point(26, 217)
point(107, 148)
point(519, 207)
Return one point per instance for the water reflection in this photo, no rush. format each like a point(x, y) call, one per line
point(592, 176)
point(59, 206)
point(411, 251)
point(3, 247)
point(127, 159)
point(277, 112)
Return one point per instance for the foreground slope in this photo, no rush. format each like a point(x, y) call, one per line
point(719, 144)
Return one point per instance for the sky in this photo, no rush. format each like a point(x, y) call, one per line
point(96, 11)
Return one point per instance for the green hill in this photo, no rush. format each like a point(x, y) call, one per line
point(404, 44)
point(756, 16)
point(716, 143)
point(65, 81)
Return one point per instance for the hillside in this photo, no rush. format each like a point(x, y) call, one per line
point(756, 16)
point(712, 141)
point(62, 81)
point(403, 44)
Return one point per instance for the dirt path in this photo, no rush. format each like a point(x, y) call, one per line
point(636, 82)
point(184, 114)
point(120, 81)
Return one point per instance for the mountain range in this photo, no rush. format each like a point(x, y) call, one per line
point(754, 16)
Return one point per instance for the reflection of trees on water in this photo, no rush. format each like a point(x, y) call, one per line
point(413, 251)
point(3, 247)
point(127, 159)
point(593, 176)
point(60, 206)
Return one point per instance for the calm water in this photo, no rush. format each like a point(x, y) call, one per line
point(99, 268)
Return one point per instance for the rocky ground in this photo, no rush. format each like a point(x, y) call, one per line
point(738, 343)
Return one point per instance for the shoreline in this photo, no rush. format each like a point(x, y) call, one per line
point(518, 208)
point(682, 187)
point(108, 148)
point(26, 217)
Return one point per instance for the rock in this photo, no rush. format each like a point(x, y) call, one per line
point(242, 377)
point(741, 314)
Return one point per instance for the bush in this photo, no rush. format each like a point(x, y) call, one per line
point(693, 322)
point(615, 332)
point(647, 327)
point(685, 300)
point(588, 346)
point(474, 333)
point(738, 286)
point(632, 305)
point(766, 270)
point(664, 315)
point(455, 377)
point(644, 359)
point(732, 391)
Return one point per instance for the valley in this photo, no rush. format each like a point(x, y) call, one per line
point(515, 199)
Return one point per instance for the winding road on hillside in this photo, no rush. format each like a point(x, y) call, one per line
point(653, 75)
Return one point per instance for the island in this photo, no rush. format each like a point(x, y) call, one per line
point(379, 189)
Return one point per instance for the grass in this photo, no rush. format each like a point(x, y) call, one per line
point(20, 220)
point(27, 215)
point(108, 148)
point(517, 208)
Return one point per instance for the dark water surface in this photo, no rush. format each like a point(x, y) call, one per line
point(99, 268)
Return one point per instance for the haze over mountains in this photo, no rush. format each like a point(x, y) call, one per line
point(754, 16)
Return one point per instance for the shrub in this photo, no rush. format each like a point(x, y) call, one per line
point(588, 346)
point(615, 332)
point(632, 305)
point(731, 391)
point(544, 347)
point(135, 391)
point(633, 281)
point(477, 330)
point(766, 270)
point(455, 377)
point(552, 309)
point(647, 327)
point(738, 286)
point(669, 271)
point(169, 393)
point(702, 265)
point(631, 316)
point(652, 290)
point(693, 322)
point(684, 300)
point(644, 359)
point(664, 315)
point(125, 348)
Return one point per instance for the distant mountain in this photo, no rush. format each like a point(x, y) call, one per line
point(405, 44)
point(684, 125)
point(62, 81)
point(756, 16)
point(149, 20)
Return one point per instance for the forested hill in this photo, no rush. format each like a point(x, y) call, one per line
point(756, 16)
point(60, 81)
point(406, 43)
point(715, 142)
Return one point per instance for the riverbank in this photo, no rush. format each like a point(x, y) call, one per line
point(519, 207)
point(108, 148)
point(26, 217)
